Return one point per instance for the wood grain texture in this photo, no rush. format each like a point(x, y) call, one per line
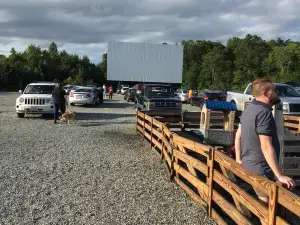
point(230, 210)
point(242, 196)
point(256, 181)
point(193, 180)
point(289, 200)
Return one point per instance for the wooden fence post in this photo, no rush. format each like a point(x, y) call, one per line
point(136, 122)
point(151, 132)
point(210, 163)
point(172, 158)
point(272, 209)
point(162, 144)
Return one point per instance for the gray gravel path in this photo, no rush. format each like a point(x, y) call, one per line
point(96, 171)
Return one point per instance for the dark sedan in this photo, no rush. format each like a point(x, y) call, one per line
point(202, 96)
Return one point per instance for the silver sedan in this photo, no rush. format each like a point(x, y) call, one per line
point(84, 96)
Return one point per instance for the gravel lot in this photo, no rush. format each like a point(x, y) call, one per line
point(96, 171)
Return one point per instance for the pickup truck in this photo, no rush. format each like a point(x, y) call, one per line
point(290, 98)
point(158, 100)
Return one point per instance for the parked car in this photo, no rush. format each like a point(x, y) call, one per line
point(204, 95)
point(158, 100)
point(36, 99)
point(68, 88)
point(74, 88)
point(123, 89)
point(290, 98)
point(182, 94)
point(130, 95)
point(295, 85)
point(84, 96)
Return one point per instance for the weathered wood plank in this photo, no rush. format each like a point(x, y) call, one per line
point(191, 193)
point(256, 181)
point(157, 123)
point(280, 221)
point(242, 196)
point(237, 203)
point(191, 145)
point(203, 168)
point(217, 218)
point(230, 210)
point(289, 200)
point(193, 180)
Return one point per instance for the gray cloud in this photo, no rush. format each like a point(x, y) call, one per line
point(85, 27)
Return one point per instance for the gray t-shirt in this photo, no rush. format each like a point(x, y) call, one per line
point(257, 120)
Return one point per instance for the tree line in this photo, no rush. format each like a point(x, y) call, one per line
point(212, 65)
point(206, 64)
point(34, 64)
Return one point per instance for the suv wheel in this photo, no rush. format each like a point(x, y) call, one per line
point(21, 115)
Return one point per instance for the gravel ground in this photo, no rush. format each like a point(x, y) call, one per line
point(96, 171)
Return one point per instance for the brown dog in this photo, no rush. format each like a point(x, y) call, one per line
point(67, 116)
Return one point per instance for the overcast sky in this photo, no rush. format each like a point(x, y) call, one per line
point(85, 26)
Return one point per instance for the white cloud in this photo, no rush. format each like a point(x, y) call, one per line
point(84, 27)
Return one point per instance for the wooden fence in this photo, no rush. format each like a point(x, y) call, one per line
point(292, 123)
point(215, 181)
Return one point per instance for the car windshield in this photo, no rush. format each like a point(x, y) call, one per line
point(83, 90)
point(158, 91)
point(39, 89)
point(287, 91)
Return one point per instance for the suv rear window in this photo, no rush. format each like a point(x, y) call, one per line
point(83, 90)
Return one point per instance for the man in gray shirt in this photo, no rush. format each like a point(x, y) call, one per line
point(260, 147)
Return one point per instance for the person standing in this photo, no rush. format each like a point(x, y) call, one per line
point(110, 92)
point(101, 95)
point(259, 144)
point(190, 95)
point(59, 101)
point(104, 90)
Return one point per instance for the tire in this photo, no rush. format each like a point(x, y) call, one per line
point(72, 104)
point(127, 99)
point(20, 115)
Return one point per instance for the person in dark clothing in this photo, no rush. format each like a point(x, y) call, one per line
point(101, 95)
point(59, 101)
point(259, 144)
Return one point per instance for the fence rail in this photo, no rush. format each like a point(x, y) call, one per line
point(215, 181)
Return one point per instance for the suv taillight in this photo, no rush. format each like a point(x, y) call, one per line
point(89, 95)
point(205, 98)
point(71, 94)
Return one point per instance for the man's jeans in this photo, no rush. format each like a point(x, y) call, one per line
point(61, 107)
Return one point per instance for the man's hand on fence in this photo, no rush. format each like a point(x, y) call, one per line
point(238, 161)
point(289, 182)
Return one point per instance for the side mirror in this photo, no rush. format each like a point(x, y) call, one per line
point(20, 91)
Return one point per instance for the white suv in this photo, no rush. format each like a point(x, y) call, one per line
point(36, 99)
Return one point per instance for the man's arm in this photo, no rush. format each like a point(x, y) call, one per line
point(270, 156)
point(269, 153)
point(264, 129)
point(237, 145)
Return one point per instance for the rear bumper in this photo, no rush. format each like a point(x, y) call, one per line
point(81, 101)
